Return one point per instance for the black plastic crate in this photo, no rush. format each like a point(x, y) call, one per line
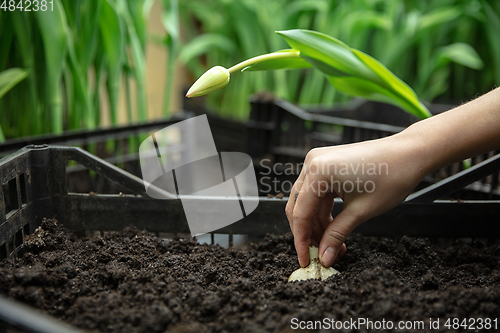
point(34, 187)
point(119, 146)
point(283, 133)
point(40, 181)
point(116, 145)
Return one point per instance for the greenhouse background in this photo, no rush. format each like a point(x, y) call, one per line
point(88, 64)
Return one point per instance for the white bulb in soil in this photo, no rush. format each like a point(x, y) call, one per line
point(314, 271)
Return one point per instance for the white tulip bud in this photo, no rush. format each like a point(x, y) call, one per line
point(213, 79)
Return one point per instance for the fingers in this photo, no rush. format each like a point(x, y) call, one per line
point(302, 241)
point(342, 252)
point(325, 210)
point(332, 245)
point(294, 193)
point(305, 209)
point(323, 218)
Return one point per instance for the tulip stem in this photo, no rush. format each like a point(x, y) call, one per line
point(264, 57)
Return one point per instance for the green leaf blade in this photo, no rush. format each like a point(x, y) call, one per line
point(327, 49)
point(360, 87)
point(53, 28)
point(363, 75)
point(203, 44)
point(113, 39)
point(392, 82)
point(9, 78)
point(439, 16)
point(462, 54)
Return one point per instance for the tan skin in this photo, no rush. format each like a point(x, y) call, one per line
point(468, 130)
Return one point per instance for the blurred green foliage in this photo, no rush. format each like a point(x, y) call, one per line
point(82, 52)
point(446, 50)
point(8, 79)
point(70, 53)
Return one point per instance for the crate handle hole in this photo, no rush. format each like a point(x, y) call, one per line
point(10, 196)
point(18, 239)
point(22, 185)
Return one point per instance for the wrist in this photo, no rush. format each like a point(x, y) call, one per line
point(468, 130)
point(414, 147)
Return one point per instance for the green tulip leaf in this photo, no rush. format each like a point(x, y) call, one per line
point(354, 72)
point(326, 49)
point(392, 83)
point(360, 87)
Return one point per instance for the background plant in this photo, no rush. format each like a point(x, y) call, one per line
point(8, 79)
point(77, 57)
point(80, 56)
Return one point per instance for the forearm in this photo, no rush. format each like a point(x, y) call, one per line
point(468, 130)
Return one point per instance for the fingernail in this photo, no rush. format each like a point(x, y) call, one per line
point(328, 257)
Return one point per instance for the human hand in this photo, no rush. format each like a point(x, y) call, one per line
point(370, 177)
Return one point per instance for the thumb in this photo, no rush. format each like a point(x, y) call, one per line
point(335, 235)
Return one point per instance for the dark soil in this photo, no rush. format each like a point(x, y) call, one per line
point(135, 282)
